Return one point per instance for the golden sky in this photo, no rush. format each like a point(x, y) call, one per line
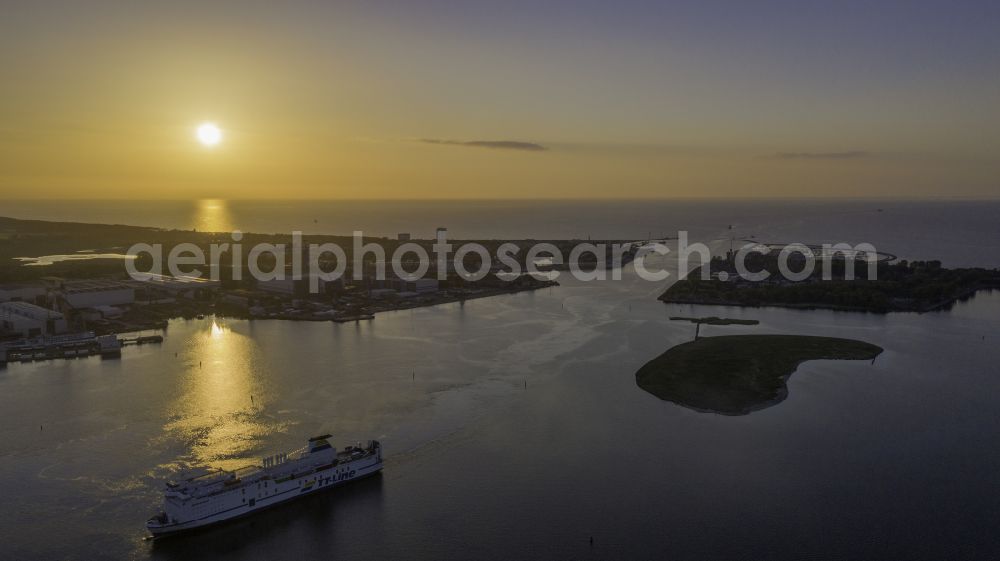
point(427, 100)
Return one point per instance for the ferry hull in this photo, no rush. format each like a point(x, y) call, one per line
point(317, 482)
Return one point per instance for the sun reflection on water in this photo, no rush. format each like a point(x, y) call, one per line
point(221, 411)
point(212, 215)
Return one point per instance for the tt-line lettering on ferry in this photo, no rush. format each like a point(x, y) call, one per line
point(205, 496)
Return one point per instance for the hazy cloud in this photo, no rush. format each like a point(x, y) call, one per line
point(848, 155)
point(495, 144)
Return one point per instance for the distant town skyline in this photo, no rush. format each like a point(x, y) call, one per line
point(494, 100)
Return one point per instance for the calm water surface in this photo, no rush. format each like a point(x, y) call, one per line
point(514, 430)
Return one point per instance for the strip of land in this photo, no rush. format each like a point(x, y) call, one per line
point(739, 374)
point(904, 286)
point(65, 277)
point(713, 320)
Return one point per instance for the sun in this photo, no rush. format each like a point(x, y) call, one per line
point(209, 134)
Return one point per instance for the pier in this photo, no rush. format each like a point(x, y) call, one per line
point(75, 345)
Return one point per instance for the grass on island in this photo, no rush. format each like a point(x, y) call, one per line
point(738, 374)
point(716, 320)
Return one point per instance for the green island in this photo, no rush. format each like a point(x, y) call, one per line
point(739, 374)
point(902, 286)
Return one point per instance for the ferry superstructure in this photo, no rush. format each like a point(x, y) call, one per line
point(207, 497)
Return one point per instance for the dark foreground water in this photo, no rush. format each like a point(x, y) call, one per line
point(896, 459)
point(514, 430)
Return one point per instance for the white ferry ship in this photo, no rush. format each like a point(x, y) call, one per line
point(209, 496)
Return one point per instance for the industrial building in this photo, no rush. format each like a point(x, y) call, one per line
point(21, 292)
point(420, 286)
point(300, 287)
point(29, 320)
point(80, 294)
point(283, 287)
point(182, 286)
